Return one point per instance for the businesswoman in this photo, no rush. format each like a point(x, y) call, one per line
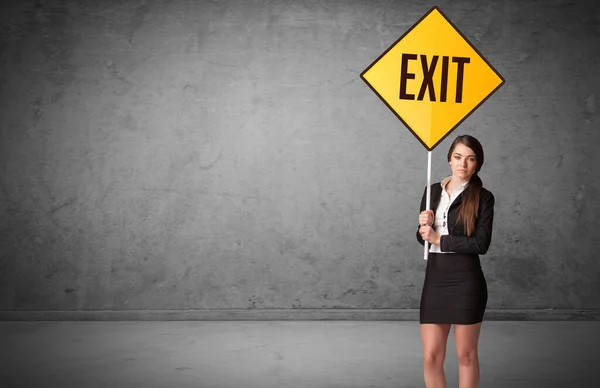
point(459, 228)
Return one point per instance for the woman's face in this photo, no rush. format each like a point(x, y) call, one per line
point(463, 162)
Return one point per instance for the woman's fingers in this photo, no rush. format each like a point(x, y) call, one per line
point(426, 217)
point(426, 232)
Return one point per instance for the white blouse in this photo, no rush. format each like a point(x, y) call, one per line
point(440, 224)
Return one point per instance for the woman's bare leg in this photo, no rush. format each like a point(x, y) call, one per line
point(435, 337)
point(467, 339)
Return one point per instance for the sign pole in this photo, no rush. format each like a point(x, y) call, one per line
point(428, 202)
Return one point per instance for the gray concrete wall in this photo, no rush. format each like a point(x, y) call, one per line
point(226, 155)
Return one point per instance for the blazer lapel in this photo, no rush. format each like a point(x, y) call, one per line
point(436, 194)
point(458, 200)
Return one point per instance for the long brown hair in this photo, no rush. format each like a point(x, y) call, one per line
point(469, 208)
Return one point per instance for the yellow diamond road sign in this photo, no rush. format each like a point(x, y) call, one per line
point(432, 78)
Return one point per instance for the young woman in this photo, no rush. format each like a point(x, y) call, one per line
point(459, 229)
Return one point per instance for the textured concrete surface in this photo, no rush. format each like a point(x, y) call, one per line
point(225, 154)
point(285, 354)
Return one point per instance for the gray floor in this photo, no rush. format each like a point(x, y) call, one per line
point(285, 354)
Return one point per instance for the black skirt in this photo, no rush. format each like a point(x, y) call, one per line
point(454, 291)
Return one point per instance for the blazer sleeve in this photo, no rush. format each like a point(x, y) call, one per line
point(480, 241)
point(423, 200)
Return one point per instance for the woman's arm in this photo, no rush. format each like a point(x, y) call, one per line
point(479, 242)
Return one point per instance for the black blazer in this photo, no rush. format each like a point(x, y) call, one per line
point(457, 240)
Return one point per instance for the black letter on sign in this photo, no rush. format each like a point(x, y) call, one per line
point(404, 75)
point(427, 78)
point(459, 75)
point(444, 79)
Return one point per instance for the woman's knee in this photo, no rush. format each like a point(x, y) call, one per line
point(467, 357)
point(434, 359)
